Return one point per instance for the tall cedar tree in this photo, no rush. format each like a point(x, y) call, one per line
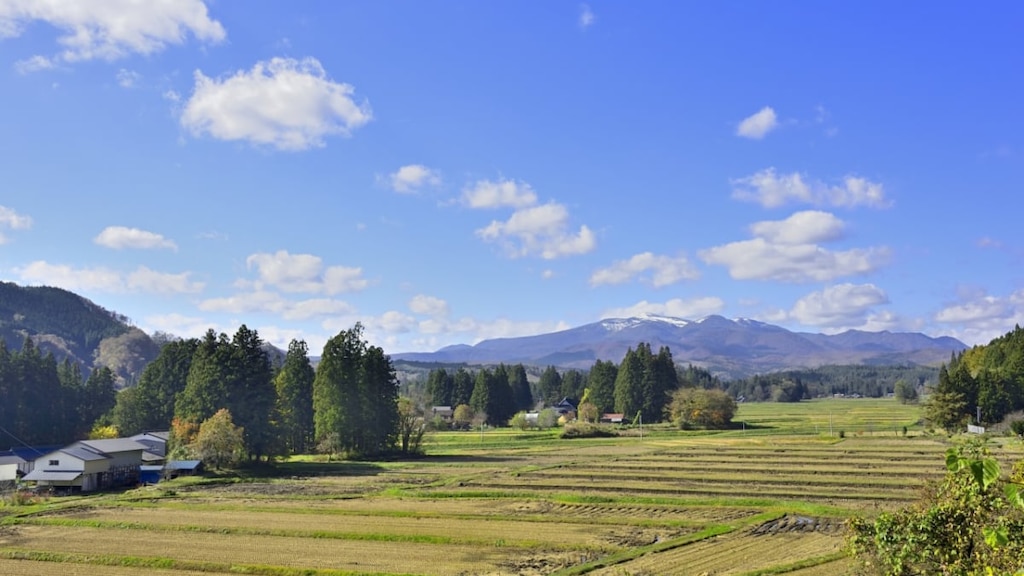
point(520, 387)
point(629, 385)
point(573, 384)
point(462, 387)
point(601, 383)
point(549, 387)
point(355, 395)
point(294, 385)
point(149, 405)
point(440, 386)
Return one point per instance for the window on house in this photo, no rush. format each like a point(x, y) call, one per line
point(54, 463)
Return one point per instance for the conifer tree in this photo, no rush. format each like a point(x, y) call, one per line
point(294, 384)
point(520, 387)
point(601, 383)
point(462, 387)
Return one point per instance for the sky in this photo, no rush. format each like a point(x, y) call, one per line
point(450, 171)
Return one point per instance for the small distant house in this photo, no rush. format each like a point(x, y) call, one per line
point(445, 413)
point(567, 408)
point(610, 418)
point(533, 418)
point(25, 456)
point(176, 468)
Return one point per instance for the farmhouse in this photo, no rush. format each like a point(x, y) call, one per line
point(445, 413)
point(9, 469)
point(90, 465)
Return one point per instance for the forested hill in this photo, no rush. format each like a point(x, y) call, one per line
point(984, 380)
point(73, 327)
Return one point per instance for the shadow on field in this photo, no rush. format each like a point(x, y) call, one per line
point(305, 469)
point(466, 459)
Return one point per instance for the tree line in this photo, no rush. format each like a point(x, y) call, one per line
point(349, 404)
point(43, 401)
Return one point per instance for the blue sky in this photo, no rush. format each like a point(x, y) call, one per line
point(445, 172)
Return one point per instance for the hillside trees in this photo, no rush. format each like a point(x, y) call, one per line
point(355, 395)
point(294, 385)
point(150, 404)
point(549, 387)
point(492, 396)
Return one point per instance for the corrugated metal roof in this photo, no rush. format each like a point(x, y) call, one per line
point(51, 475)
point(11, 460)
point(113, 445)
point(83, 453)
point(183, 464)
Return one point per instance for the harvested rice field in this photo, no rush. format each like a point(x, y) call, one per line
point(499, 504)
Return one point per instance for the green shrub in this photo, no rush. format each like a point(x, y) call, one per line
point(586, 430)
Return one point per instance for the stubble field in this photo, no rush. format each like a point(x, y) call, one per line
point(768, 499)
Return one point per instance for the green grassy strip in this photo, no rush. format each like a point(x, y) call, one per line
point(155, 562)
point(315, 534)
point(632, 553)
point(799, 565)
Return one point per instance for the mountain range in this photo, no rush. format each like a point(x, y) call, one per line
point(729, 348)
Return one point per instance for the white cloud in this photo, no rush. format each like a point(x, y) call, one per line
point(758, 124)
point(490, 194)
point(759, 259)
point(412, 177)
point(128, 78)
point(10, 219)
point(273, 303)
point(676, 307)
point(304, 273)
point(428, 305)
point(842, 305)
point(120, 237)
point(34, 64)
point(587, 16)
point(547, 274)
point(540, 230)
point(772, 190)
point(152, 282)
point(977, 317)
point(112, 29)
point(285, 103)
point(142, 279)
point(787, 251)
point(806, 227)
point(664, 270)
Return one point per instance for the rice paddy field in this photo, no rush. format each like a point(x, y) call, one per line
point(768, 498)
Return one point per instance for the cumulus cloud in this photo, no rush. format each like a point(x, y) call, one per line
point(304, 273)
point(120, 237)
point(664, 270)
point(36, 63)
point(273, 303)
point(676, 307)
point(110, 29)
point(284, 103)
point(178, 324)
point(491, 194)
point(428, 305)
point(772, 190)
point(806, 227)
point(102, 279)
point(787, 251)
point(412, 177)
point(842, 305)
point(587, 16)
point(11, 220)
point(758, 124)
point(978, 317)
point(540, 230)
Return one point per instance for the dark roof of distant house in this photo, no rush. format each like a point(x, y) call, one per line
point(11, 459)
point(30, 453)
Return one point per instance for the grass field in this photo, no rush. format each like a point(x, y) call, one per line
point(770, 498)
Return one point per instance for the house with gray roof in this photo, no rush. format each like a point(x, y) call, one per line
point(90, 465)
